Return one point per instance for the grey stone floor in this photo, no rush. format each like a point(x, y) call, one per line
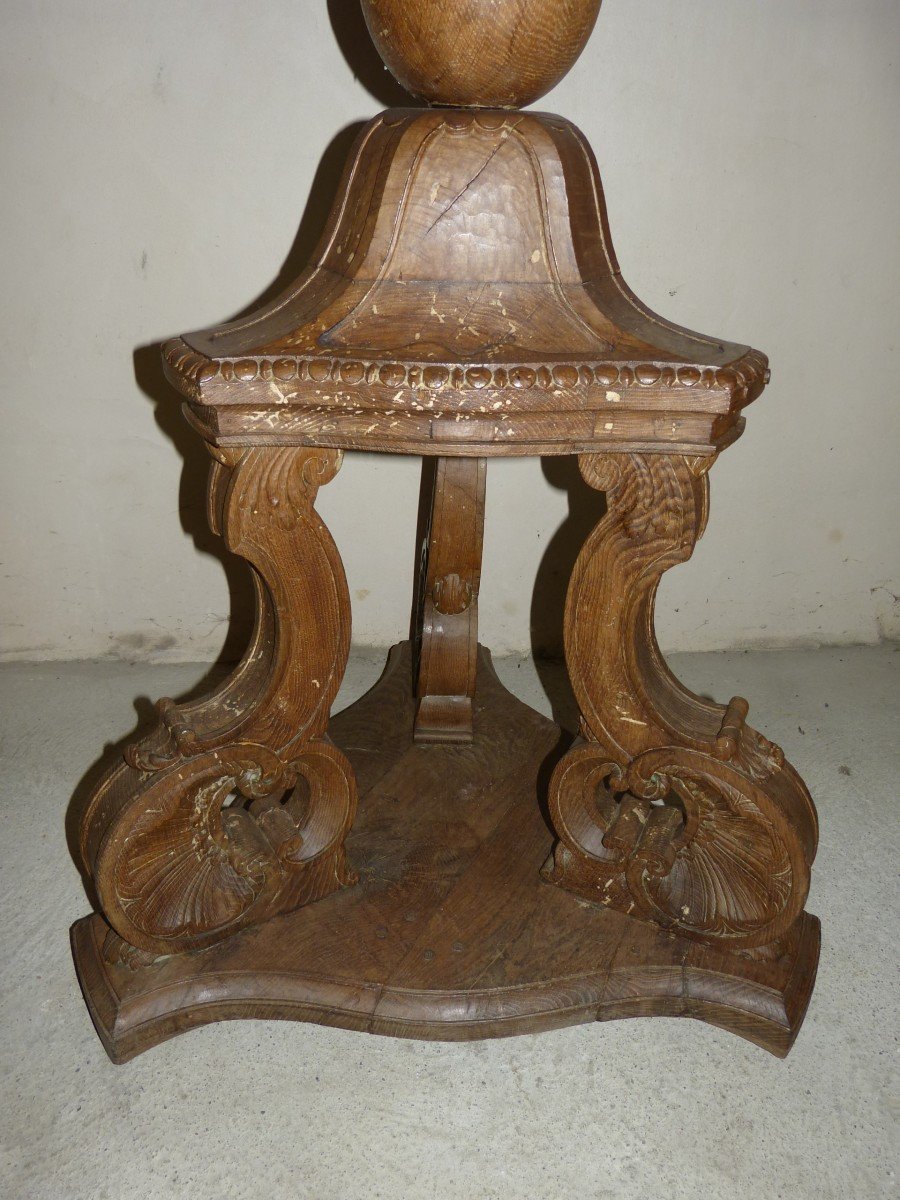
point(631, 1109)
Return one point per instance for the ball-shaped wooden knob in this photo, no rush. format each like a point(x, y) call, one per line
point(480, 53)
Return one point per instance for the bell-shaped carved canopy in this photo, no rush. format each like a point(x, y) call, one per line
point(466, 294)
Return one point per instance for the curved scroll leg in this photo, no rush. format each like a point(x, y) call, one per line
point(236, 807)
point(670, 808)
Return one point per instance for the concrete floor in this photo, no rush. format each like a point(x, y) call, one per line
point(631, 1109)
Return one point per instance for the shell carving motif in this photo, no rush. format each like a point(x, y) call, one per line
point(452, 595)
point(681, 839)
point(184, 871)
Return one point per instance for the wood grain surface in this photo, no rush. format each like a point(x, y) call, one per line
point(478, 53)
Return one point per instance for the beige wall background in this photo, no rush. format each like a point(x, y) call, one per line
point(158, 157)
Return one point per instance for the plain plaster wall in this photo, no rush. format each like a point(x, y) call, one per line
point(158, 159)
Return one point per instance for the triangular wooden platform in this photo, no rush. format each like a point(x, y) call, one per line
point(451, 933)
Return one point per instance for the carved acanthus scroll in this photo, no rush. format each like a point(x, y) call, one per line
point(672, 808)
point(237, 807)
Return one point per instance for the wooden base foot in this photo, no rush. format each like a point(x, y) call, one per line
point(452, 933)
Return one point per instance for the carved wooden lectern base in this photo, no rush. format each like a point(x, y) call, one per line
point(392, 869)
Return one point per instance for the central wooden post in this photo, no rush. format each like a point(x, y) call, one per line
point(449, 616)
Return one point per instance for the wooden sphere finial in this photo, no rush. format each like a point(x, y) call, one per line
point(480, 53)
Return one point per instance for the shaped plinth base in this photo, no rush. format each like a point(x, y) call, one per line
point(451, 933)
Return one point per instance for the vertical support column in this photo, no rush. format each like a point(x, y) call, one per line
point(671, 808)
point(449, 617)
point(236, 807)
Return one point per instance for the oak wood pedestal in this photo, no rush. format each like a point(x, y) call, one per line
point(438, 861)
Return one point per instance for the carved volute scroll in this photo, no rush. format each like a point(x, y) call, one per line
point(671, 809)
point(235, 808)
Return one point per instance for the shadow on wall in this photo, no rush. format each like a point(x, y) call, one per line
point(353, 38)
point(149, 375)
point(148, 371)
point(548, 602)
point(364, 61)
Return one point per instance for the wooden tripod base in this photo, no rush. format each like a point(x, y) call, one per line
point(451, 933)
